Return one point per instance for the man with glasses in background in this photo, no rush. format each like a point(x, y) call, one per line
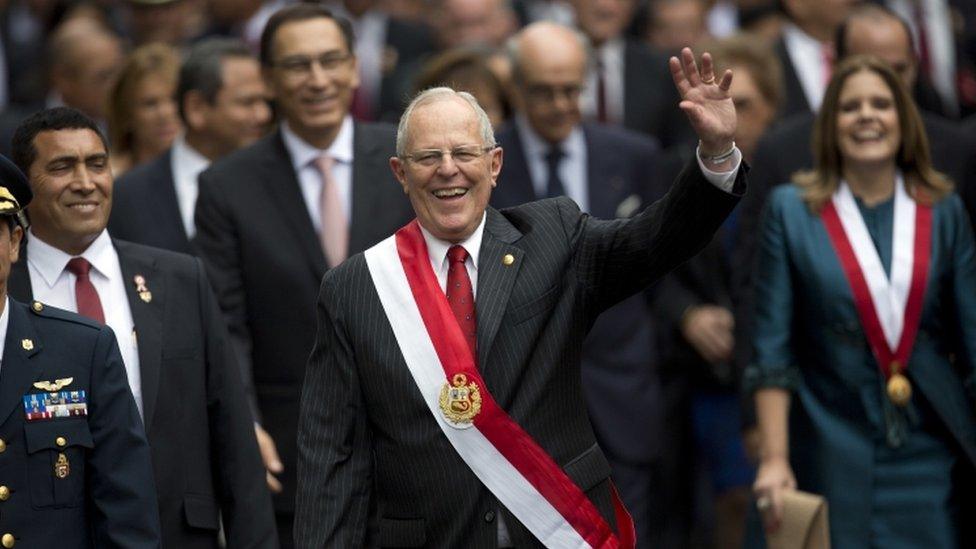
point(273, 217)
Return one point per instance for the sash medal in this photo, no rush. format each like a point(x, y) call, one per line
point(889, 309)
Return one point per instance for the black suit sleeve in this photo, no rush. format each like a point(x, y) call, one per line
point(220, 247)
point(123, 496)
point(245, 502)
point(334, 444)
point(618, 258)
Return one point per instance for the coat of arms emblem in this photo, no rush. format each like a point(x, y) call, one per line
point(460, 401)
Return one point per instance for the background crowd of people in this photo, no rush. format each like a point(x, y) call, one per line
point(204, 108)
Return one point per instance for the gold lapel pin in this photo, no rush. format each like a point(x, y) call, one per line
point(27, 344)
point(508, 260)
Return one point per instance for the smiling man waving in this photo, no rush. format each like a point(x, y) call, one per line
point(442, 404)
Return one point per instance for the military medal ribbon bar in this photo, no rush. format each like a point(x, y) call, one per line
point(889, 309)
point(512, 465)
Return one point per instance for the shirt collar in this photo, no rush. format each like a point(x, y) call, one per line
point(799, 38)
point(187, 157)
point(536, 147)
point(303, 153)
point(437, 248)
point(50, 262)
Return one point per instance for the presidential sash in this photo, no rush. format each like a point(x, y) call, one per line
point(889, 309)
point(524, 478)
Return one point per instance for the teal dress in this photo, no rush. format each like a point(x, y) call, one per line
point(893, 477)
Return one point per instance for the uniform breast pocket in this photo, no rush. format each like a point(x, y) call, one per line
point(56, 461)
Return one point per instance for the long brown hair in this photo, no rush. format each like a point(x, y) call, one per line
point(913, 158)
point(156, 59)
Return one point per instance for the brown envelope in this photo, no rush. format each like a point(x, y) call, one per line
point(804, 523)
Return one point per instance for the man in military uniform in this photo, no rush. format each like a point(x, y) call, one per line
point(74, 462)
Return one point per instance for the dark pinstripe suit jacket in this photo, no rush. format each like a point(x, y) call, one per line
point(374, 468)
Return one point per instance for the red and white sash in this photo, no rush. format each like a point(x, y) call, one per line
point(889, 310)
point(524, 478)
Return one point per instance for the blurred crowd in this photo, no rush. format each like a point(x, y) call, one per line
point(190, 81)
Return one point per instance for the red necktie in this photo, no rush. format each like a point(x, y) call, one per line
point(88, 303)
point(460, 296)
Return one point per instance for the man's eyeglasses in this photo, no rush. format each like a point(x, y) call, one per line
point(301, 65)
point(464, 154)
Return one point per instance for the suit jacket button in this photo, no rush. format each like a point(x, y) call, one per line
point(3, 446)
point(489, 516)
point(61, 441)
point(7, 540)
point(4, 493)
point(37, 306)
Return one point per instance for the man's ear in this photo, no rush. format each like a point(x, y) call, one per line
point(497, 156)
point(16, 235)
point(398, 168)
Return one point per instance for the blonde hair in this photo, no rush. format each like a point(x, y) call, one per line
point(156, 59)
point(913, 158)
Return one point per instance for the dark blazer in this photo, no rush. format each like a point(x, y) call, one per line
point(408, 45)
point(205, 458)
point(375, 468)
point(266, 262)
point(106, 498)
point(786, 149)
point(650, 98)
point(618, 361)
point(794, 98)
point(145, 208)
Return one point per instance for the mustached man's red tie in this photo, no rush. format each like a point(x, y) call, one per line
point(460, 296)
point(87, 298)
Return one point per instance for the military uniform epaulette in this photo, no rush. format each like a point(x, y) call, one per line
point(47, 311)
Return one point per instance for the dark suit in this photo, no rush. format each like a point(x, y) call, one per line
point(794, 98)
point(106, 496)
point(650, 98)
point(619, 357)
point(407, 46)
point(145, 208)
point(266, 263)
point(205, 458)
point(375, 468)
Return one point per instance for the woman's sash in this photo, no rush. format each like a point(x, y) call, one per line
point(889, 309)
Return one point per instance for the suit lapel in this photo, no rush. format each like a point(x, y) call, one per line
point(285, 192)
point(147, 316)
point(19, 371)
point(515, 186)
point(495, 279)
point(164, 187)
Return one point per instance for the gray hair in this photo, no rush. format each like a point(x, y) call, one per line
point(437, 94)
point(513, 50)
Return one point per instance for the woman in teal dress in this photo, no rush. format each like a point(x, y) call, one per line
point(865, 339)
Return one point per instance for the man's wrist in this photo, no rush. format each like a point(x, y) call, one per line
point(716, 154)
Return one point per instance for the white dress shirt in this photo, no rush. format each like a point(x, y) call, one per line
point(187, 164)
point(4, 322)
point(611, 54)
point(437, 251)
point(806, 54)
point(303, 156)
point(572, 168)
point(52, 283)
